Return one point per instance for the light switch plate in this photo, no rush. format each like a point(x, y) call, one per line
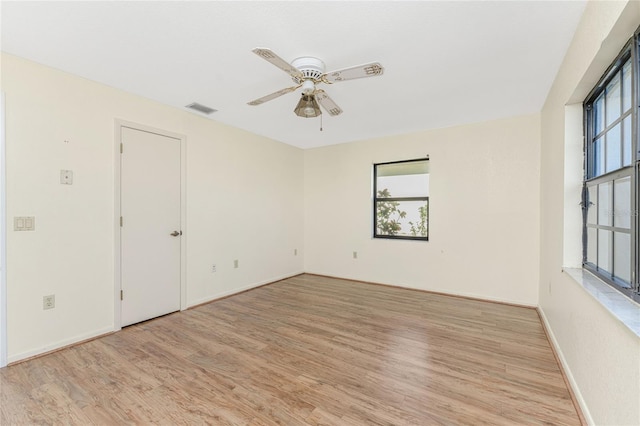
point(24, 223)
point(66, 177)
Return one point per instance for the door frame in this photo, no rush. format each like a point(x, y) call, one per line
point(119, 124)
point(3, 236)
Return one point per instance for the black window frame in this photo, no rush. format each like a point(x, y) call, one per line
point(592, 179)
point(377, 200)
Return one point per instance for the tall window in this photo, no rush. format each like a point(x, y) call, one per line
point(401, 200)
point(610, 201)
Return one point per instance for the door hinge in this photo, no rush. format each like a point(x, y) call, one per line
point(121, 295)
point(121, 148)
point(121, 221)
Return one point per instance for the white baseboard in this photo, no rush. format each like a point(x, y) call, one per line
point(567, 369)
point(59, 344)
point(481, 297)
point(220, 295)
point(97, 333)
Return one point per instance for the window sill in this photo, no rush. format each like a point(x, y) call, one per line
point(620, 306)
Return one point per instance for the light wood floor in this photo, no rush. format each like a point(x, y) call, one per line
point(306, 350)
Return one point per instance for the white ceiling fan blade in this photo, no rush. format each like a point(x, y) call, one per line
point(327, 103)
point(270, 56)
point(273, 95)
point(359, 71)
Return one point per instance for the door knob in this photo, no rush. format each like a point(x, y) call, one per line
point(175, 233)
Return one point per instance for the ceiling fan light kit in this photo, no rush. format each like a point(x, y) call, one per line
point(307, 107)
point(308, 87)
point(307, 72)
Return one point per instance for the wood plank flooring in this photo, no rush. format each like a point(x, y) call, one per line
point(308, 350)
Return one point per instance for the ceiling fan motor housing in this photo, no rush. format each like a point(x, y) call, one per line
point(311, 68)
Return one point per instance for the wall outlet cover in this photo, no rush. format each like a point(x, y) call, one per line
point(49, 302)
point(66, 177)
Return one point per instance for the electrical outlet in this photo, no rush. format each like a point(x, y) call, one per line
point(49, 302)
point(355, 254)
point(295, 252)
point(66, 177)
point(213, 268)
point(235, 263)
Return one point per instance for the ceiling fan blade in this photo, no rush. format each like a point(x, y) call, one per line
point(273, 95)
point(359, 71)
point(270, 56)
point(327, 103)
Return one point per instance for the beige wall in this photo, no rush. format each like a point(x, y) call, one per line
point(244, 201)
point(600, 355)
point(502, 219)
point(483, 207)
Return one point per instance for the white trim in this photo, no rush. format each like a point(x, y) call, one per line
point(119, 124)
point(3, 238)
point(445, 292)
point(117, 279)
point(183, 222)
point(60, 344)
point(241, 289)
point(567, 370)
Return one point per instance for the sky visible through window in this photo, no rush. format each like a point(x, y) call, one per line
point(414, 185)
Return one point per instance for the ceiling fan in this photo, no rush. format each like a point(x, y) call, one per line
point(307, 72)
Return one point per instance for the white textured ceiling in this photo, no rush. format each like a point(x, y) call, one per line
point(446, 63)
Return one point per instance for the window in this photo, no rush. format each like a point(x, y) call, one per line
point(401, 200)
point(609, 199)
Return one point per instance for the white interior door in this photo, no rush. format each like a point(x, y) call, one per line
point(150, 226)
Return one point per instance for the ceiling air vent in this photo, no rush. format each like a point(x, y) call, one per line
point(203, 109)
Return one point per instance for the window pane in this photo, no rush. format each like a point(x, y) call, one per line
point(613, 155)
point(598, 157)
point(592, 245)
point(402, 218)
point(626, 141)
point(417, 167)
point(612, 100)
point(604, 203)
point(622, 256)
point(626, 86)
point(592, 213)
point(598, 115)
point(622, 203)
point(416, 185)
point(604, 249)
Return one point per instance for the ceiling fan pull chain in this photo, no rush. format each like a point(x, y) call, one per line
point(320, 122)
